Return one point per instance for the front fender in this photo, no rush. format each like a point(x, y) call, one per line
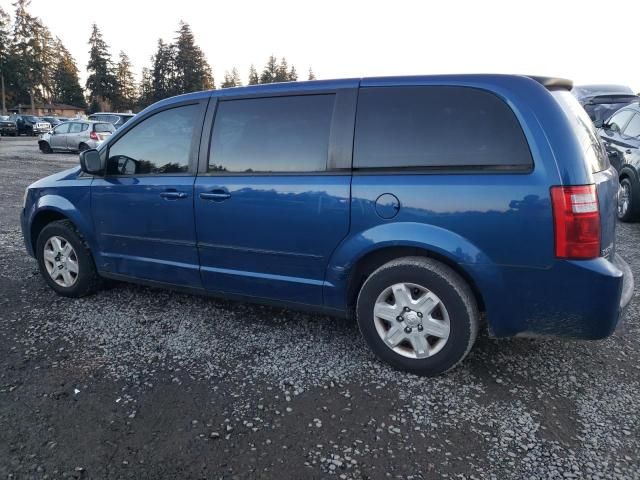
point(475, 263)
point(78, 212)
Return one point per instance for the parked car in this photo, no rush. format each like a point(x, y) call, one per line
point(117, 119)
point(30, 124)
point(54, 121)
point(621, 137)
point(413, 203)
point(76, 136)
point(8, 126)
point(601, 101)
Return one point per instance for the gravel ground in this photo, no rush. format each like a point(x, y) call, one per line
point(144, 383)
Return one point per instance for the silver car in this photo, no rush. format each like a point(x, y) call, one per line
point(76, 136)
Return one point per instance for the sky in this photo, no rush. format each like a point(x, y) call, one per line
point(340, 39)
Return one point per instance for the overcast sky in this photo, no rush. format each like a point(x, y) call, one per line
point(363, 38)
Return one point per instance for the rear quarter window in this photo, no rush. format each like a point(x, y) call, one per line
point(437, 127)
point(594, 153)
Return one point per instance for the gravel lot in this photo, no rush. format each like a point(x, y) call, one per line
point(143, 383)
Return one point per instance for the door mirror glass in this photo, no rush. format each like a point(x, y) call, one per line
point(91, 162)
point(598, 123)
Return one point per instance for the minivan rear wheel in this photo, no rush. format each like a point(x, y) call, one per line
point(65, 261)
point(418, 315)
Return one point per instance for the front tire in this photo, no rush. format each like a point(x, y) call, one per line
point(45, 147)
point(628, 201)
point(65, 261)
point(418, 315)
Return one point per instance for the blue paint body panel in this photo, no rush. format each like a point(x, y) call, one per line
point(296, 239)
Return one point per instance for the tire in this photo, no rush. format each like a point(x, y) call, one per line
point(457, 307)
point(628, 194)
point(45, 147)
point(86, 280)
point(82, 147)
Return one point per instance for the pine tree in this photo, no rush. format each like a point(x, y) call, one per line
point(270, 71)
point(26, 53)
point(66, 84)
point(163, 74)
point(312, 76)
point(193, 73)
point(145, 92)
point(125, 98)
point(253, 76)
point(293, 75)
point(231, 79)
point(4, 57)
point(101, 82)
point(282, 72)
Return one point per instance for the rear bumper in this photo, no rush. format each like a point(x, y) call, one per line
point(576, 299)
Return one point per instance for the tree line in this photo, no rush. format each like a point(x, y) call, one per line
point(36, 67)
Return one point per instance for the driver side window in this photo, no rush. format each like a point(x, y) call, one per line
point(159, 145)
point(62, 128)
point(619, 120)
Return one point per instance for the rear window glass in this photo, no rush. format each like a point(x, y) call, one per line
point(104, 127)
point(437, 126)
point(592, 148)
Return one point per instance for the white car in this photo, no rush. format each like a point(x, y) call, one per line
point(76, 136)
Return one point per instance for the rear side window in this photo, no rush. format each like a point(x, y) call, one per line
point(103, 128)
point(277, 134)
point(160, 144)
point(75, 128)
point(437, 127)
point(594, 153)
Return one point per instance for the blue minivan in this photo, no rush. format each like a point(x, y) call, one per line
point(422, 206)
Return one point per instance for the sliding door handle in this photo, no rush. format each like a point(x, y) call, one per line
point(215, 196)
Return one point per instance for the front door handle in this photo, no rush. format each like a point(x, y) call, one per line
point(628, 151)
point(215, 196)
point(173, 195)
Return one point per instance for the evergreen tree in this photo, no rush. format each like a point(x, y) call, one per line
point(312, 76)
point(282, 72)
point(231, 79)
point(5, 42)
point(101, 82)
point(293, 75)
point(163, 76)
point(125, 98)
point(145, 92)
point(193, 73)
point(26, 53)
point(66, 84)
point(270, 71)
point(253, 76)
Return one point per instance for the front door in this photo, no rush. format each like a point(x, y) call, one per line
point(270, 208)
point(143, 207)
point(59, 138)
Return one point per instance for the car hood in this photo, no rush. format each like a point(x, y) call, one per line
point(69, 174)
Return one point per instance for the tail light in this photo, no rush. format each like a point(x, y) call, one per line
point(576, 219)
point(93, 136)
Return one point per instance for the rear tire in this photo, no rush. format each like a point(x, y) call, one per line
point(427, 331)
point(82, 147)
point(628, 200)
point(71, 274)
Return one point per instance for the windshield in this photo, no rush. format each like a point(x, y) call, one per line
point(104, 128)
point(586, 134)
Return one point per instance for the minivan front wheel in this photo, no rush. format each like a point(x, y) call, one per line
point(65, 261)
point(418, 315)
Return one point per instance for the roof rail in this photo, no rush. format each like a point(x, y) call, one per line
point(553, 83)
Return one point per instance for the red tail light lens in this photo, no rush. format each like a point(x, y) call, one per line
point(93, 136)
point(576, 219)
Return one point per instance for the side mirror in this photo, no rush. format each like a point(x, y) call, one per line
point(91, 162)
point(598, 123)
